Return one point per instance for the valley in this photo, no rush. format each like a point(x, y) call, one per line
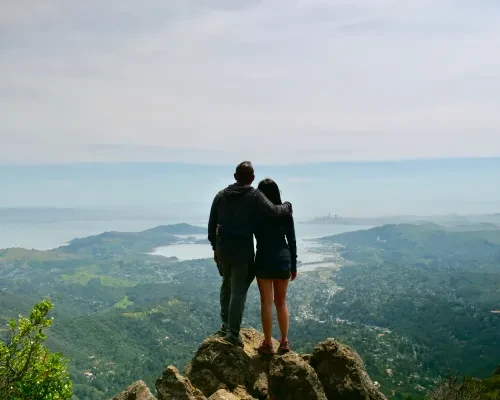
point(413, 300)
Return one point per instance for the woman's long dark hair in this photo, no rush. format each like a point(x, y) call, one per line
point(270, 190)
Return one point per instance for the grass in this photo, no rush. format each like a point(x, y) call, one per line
point(115, 282)
point(123, 303)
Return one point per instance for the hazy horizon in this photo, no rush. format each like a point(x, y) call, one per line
point(367, 189)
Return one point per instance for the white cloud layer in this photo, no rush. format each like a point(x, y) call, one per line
point(276, 81)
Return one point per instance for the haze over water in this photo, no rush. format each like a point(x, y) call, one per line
point(49, 235)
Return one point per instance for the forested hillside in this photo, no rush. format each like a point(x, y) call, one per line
point(413, 300)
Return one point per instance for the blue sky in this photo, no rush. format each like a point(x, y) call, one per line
point(354, 189)
point(276, 81)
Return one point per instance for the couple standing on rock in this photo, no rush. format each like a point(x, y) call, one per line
point(238, 213)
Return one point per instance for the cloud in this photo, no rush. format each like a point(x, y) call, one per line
point(276, 81)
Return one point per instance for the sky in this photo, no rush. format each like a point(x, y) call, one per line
point(276, 81)
point(359, 107)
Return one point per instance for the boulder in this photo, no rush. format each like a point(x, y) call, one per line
point(342, 372)
point(137, 391)
point(173, 386)
point(223, 394)
point(219, 365)
point(206, 381)
point(291, 378)
point(242, 394)
point(306, 357)
point(220, 371)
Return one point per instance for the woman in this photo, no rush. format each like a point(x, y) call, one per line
point(275, 266)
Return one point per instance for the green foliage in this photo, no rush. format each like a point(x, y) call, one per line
point(418, 244)
point(491, 386)
point(28, 371)
point(410, 299)
point(126, 243)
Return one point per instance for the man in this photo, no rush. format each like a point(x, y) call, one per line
point(235, 208)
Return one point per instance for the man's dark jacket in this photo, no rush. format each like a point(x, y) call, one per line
point(236, 208)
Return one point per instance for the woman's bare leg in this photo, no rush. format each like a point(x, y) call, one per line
point(280, 287)
point(266, 307)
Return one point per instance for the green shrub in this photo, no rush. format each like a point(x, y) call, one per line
point(28, 371)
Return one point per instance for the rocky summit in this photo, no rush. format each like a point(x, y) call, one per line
point(220, 371)
point(137, 391)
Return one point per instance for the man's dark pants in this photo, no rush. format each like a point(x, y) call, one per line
point(236, 279)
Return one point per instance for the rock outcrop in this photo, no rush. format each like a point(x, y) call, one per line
point(342, 372)
point(172, 385)
point(220, 371)
point(222, 394)
point(137, 391)
point(291, 378)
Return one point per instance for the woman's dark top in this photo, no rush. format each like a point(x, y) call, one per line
point(275, 256)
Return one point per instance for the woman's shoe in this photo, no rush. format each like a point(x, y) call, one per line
point(266, 349)
point(284, 347)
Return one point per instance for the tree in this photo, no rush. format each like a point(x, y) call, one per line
point(28, 371)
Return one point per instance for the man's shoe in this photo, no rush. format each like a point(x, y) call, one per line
point(223, 331)
point(234, 340)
